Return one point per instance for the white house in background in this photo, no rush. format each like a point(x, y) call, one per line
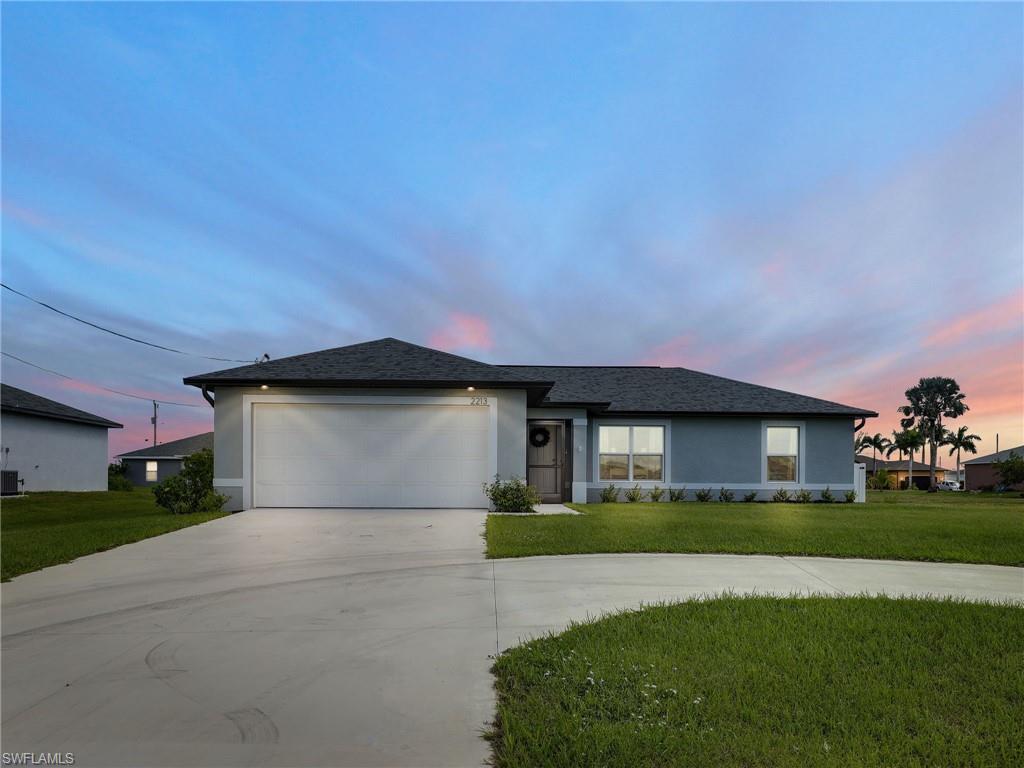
point(52, 446)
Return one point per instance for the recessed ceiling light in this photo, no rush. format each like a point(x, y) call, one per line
point(471, 389)
point(264, 386)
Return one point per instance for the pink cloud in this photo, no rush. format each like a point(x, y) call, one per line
point(999, 315)
point(462, 331)
point(991, 376)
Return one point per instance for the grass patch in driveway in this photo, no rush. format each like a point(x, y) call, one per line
point(45, 529)
point(910, 525)
point(770, 682)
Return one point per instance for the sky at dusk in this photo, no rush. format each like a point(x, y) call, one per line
point(827, 199)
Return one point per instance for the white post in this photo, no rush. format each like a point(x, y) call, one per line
point(860, 482)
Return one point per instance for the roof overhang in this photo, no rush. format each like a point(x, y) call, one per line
point(536, 390)
point(97, 422)
point(603, 409)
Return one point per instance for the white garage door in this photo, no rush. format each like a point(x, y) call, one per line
point(330, 455)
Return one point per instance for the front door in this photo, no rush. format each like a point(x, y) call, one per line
point(545, 459)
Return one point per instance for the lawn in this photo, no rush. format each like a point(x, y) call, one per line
point(770, 682)
point(44, 529)
point(897, 525)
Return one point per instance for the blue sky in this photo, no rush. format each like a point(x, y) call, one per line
point(825, 198)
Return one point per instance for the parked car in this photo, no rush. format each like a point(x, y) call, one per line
point(948, 485)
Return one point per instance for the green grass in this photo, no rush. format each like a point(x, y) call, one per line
point(909, 525)
point(44, 529)
point(770, 682)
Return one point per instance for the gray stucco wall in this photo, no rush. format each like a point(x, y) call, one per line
point(135, 470)
point(54, 455)
point(726, 451)
point(227, 425)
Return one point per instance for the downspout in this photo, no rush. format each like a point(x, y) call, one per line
point(207, 396)
point(856, 427)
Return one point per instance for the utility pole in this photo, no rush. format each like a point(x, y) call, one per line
point(154, 421)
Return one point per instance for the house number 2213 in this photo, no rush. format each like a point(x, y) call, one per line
point(478, 400)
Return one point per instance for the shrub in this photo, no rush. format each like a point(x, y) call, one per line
point(725, 495)
point(881, 480)
point(511, 496)
point(851, 496)
point(750, 497)
point(1010, 469)
point(803, 497)
point(677, 494)
point(635, 494)
point(609, 494)
point(191, 490)
point(656, 493)
point(781, 496)
point(116, 480)
point(704, 494)
point(826, 495)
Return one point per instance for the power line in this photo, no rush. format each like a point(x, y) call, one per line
point(98, 386)
point(118, 333)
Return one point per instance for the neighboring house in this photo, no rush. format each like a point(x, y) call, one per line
point(981, 472)
point(52, 446)
point(392, 424)
point(897, 469)
point(148, 466)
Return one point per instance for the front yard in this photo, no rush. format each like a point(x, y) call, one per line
point(44, 529)
point(908, 525)
point(769, 682)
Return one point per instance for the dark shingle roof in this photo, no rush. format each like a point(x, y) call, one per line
point(643, 389)
point(1002, 456)
point(893, 465)
point(385, 361)
point(617, 389)
point(14, 400)
point(174, 449)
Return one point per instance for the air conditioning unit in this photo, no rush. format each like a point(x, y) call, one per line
point(9, 483)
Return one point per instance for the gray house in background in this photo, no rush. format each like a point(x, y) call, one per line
point(392, 424)
point(52, 446)
point(148, 466)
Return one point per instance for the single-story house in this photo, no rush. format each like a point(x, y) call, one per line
point(981, 472)
point(52, 446)
point(391, 424)
point(149, 466)
point(898, 471)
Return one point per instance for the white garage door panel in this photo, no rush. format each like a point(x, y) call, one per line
point(333, 455)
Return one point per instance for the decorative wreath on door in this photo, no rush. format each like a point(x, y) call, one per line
point(539, 437)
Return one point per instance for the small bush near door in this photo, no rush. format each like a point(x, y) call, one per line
point(511, 496)
point(191, 490)
point(609, 494)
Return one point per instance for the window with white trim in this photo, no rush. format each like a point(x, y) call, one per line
point(151, 471)
point(631, 453)
point(783, 454)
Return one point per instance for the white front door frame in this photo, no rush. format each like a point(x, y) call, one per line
point(248, 401)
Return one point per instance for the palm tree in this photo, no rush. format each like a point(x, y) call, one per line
point(958, 441)
point(876, 443)
point(930, 401)
point(906, 442)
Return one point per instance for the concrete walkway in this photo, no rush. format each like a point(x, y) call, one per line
point(330, 637)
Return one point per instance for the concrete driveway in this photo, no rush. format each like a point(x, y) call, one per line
point(336, 637)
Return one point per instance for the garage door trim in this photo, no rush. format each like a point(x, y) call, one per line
point(248, 401)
